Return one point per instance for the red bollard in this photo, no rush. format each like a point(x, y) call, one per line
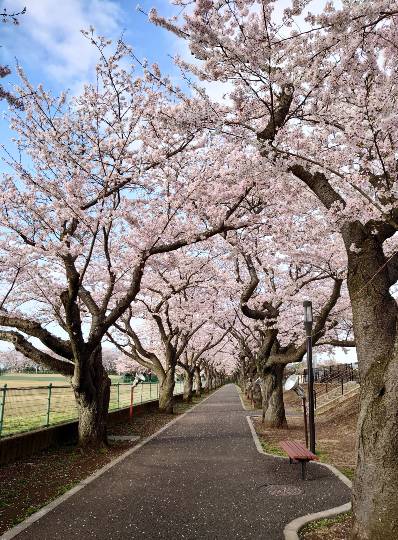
point(131, 401)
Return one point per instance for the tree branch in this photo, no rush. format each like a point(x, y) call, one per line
point(23, 346)
point(34, 329)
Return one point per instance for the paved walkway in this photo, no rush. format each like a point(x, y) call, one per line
point(202, 478)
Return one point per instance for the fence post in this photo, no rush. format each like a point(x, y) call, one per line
point(142, 386)
point(2, 407)
point(118, 395)
point(342, 385)
point(49, 403)
point(131, 401)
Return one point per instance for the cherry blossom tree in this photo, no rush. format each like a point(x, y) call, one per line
point(173, 311)
point(321, 105)
point(14, 361)
point(106, 181)
point(7, 17)
point(274, 283)
point(193, 361)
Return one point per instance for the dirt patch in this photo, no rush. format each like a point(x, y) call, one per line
point(335, 434)
point(292, 401)
point(31, 483)
point(337, 528)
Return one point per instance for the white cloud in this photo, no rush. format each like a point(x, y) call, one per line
point(49, 34)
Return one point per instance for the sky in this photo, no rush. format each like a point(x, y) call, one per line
point(49, 45)
point(50, 48)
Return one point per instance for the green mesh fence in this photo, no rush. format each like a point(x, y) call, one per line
point(24, 409)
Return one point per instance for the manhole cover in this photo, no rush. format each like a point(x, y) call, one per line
point(284, 491)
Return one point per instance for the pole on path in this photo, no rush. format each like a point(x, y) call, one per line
point(308, 321)
point(305, 420)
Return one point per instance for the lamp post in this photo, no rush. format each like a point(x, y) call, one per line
point(308, 321)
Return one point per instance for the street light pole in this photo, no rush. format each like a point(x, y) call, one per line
point(308, 321)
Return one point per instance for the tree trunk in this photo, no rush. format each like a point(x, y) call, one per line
point(375, 317)
point(208, 381)
point(91, 386)
point(257, 395)
point(211, 381)
point(198, 382)
point(188, 386)
point(166, 391)
point(272, 393)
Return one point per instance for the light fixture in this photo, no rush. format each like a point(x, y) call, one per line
point(308, 317)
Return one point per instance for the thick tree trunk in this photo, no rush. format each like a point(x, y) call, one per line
point(198, 382)
point(188, 386)
point(375, 318)
point(211, 382)
point(272, 393)
point(257, 395)
point(166, 391)
point(243, 374)
point(91, 386)
point(206, 385)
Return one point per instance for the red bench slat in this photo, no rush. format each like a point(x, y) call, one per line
point(296, 450)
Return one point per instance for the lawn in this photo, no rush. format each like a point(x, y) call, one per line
point(29, 403)
point(18, 380)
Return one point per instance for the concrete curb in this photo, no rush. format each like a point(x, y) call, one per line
point(243, 404)
point(291, 530)
point(245, 407)
point(12, 533)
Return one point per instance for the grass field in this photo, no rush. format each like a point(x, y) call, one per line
point(29, 403)
point(18, 380)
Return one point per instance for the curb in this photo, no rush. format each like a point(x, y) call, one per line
point(15, 531)
point(291, 530)
point(243, 404)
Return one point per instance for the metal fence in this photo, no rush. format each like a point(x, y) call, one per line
point(24, 409)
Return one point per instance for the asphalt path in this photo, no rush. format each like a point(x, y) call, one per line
point(201, 478)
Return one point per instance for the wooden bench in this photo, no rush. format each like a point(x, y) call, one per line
point(299, 453)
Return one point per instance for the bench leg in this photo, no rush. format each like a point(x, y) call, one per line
point(303, 469)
